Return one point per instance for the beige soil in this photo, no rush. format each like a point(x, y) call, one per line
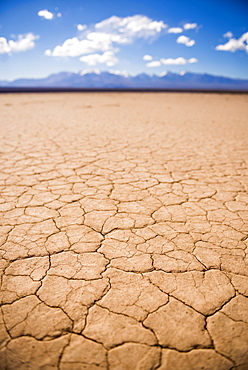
point(124, 231)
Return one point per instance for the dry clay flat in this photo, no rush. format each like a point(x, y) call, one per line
point(124, 231)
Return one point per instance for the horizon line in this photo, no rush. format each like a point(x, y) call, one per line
point(7, 89)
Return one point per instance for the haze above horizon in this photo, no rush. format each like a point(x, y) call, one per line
point(41, 37)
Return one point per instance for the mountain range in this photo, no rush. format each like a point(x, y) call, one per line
point(116, 80)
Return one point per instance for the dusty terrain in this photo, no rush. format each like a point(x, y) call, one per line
point(124, 231)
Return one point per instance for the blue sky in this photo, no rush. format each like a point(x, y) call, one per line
point(41, 37)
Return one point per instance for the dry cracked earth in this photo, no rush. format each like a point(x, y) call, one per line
point(124, 231)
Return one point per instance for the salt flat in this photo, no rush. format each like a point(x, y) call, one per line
point(124, 231)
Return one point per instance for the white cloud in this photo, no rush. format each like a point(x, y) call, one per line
point(155, 63)
point(175, 61)
point(136, 26)
point(103, 35)
point(45, 14)
point(147, 57)
point(192, 60)
point(107, 58)
point(23, 43)
point(228, 35)
point(190, 26)
point(99, 37)
point(178, 61)
point(182, 73)
point(235, 44)
point(75, 47)
point(81, 27)
point(175, 30)
point(48, 52)
point(4, 46)
point(185, 40)
point(59, 15)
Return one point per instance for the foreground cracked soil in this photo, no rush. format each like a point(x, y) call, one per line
point(124, 231)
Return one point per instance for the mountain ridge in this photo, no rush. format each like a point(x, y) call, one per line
point(116, 80)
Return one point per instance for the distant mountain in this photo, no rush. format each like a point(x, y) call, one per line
point(108, 80)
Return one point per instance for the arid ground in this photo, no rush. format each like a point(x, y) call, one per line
point(124, 231)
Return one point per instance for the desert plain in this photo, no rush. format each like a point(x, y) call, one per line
point(124, 231)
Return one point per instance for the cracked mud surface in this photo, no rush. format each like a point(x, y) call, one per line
point(124, 231)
